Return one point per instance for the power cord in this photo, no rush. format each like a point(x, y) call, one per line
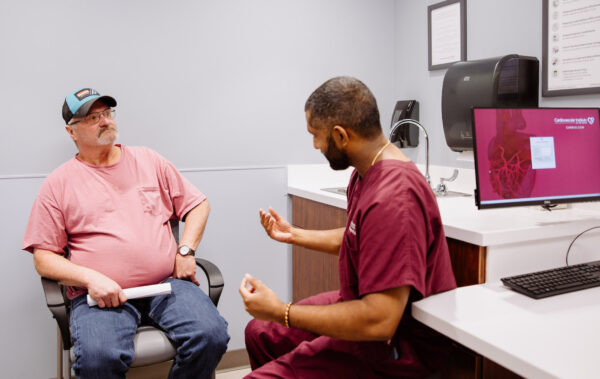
point(574, 239)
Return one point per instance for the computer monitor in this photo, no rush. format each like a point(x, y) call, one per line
point(528, 156)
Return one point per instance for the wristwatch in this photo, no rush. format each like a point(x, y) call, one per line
point(186, 250)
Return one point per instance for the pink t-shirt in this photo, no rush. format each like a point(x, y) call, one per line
point(113, 219)
point(394, 237)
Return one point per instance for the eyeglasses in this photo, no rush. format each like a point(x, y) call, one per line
point(93, 118)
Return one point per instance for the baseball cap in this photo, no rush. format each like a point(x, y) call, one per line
point(78, 103)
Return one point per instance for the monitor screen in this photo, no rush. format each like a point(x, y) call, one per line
point(527, 156)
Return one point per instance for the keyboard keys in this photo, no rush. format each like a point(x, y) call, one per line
point(556, 281)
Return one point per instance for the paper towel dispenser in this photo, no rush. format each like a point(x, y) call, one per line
point(507, 81)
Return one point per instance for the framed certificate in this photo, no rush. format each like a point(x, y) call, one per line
point(571, 47)
point(447, 35)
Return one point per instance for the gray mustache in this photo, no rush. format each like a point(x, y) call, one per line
point(113, 128)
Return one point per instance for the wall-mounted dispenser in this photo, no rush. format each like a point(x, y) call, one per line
point(407, 135)
point(508, 81)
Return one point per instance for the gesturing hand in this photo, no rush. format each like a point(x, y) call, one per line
point(260, 301)
point(276, 226)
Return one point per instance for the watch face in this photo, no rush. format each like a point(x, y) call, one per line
point(184, 250)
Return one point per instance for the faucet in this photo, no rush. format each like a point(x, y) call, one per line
point(441, 188)
point(417, 124)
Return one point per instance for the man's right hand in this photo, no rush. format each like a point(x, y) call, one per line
point(105, 291)
point(276, 226)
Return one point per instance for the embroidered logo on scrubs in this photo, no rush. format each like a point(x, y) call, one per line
point(352, 228)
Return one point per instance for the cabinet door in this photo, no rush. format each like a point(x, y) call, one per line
point(468, 262)
point(314, 272)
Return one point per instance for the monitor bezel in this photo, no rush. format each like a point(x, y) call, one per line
point(547, 203)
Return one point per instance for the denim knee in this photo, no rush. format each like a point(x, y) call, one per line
point(93, 359)
point(213, 338)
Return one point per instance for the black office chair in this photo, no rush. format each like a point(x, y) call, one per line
point(151, 345)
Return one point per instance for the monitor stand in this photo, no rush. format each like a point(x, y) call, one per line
point(553, 207)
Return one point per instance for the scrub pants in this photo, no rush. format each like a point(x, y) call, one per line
point(279, 352)
point(103, 337)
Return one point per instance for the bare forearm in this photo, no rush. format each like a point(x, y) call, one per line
point(327, 241)
point(53, 266)
point(375, 317)
point(195, 222)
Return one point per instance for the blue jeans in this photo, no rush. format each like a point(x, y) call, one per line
point(103, 337)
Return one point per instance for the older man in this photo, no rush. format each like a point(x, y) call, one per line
point(110, 206)
point(392, 252)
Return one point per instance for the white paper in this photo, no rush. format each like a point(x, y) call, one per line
point(445, 34)
point(139, 292)
point(542, 152)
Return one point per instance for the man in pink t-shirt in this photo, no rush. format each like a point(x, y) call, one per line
point(392, 252)
point(110, 207)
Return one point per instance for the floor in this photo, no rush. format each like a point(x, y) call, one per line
point(233, 374)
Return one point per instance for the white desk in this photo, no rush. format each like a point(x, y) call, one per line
point(556, 337)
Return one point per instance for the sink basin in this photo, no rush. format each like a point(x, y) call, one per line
point(452, 194)
point(336, 190)
point(342, 191)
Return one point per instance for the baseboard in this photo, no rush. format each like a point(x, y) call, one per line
point(233, 359)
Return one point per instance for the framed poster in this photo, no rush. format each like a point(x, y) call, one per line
point(571, 47)
point(447, 34)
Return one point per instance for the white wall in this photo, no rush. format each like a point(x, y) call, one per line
point(226, 79)
point(216, 86)
point(494, 28)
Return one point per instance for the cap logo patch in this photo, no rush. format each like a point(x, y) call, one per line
point(85, 93)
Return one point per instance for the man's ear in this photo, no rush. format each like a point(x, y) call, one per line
point(340, 136)
point(70, 131)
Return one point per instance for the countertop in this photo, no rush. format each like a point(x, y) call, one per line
point(555, 337)
point(461, 218)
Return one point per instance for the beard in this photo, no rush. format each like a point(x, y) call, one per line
point(338, 160)
point(108, 135)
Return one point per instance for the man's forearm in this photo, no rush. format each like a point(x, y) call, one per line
point(327, 241)
point(375, 317)
point(54, 266)
point(195, 222)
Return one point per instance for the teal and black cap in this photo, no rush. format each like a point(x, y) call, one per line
point(78, 103)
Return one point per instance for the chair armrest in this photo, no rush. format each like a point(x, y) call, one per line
point(215, 279)
point(58, 307)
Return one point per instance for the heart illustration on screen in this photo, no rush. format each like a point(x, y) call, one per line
point(591, 120)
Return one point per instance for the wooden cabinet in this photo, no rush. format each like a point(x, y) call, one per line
point(314, 272)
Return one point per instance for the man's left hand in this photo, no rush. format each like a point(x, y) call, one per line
point(185, 268)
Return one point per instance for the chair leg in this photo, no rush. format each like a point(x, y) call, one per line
point(66, 364)
point(63, 359)
point(59, 354)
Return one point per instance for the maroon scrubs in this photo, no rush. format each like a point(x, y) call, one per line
point(394, 237)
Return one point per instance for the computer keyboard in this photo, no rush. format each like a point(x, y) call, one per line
point(560, 280)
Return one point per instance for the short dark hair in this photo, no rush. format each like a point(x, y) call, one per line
point(347, 102)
